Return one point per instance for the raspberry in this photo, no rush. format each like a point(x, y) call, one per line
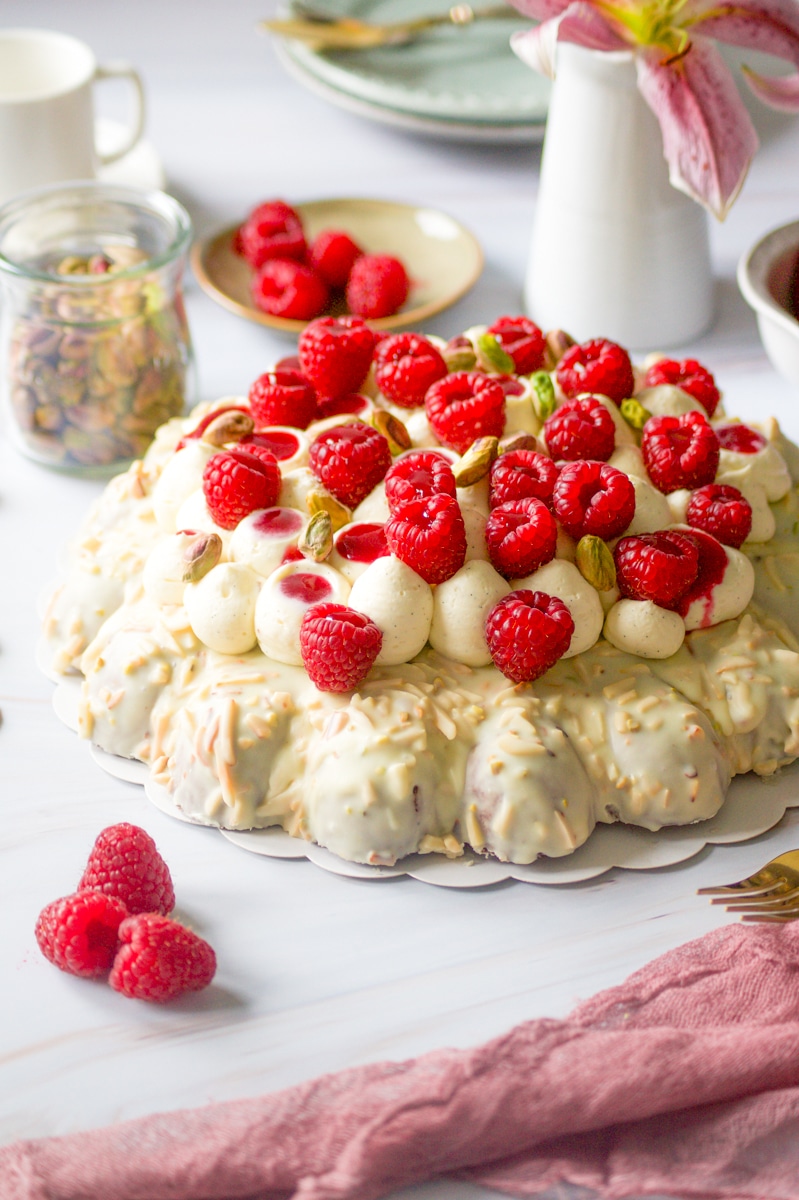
point(429, 536)
point(596, 366)
point(521, 473)
point(335, 354)
point(79, 933)
point(282, 398)
point(417, 475)
point(464, 406)
point(522, 340)
point(712, 565)
point(521, 536)
point(338, 646)
point(581, 429)
point(593, 497)
point(284, 288)
point(527, 632)
point(159, 959)
point(656, 566)
point(332, 255)
point(680, 452)
point(378, 286)
point(272, 230)
point(350, 460)
point(235, 482)
point(406, 365)
point(341, 406)
point(721, 510)
point(125, 863)
point(688, 375)
point(740, 439)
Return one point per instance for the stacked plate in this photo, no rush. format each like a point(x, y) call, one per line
point(456, 82)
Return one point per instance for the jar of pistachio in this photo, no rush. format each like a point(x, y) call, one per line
point(95, 351)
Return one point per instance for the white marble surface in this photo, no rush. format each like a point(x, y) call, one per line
point(316, 972)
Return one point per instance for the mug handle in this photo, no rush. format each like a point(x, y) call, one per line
point(116, 70)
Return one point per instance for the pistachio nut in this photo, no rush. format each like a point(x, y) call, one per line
point(543, 395)
point(201, 555)
point(520, 440)
point(491, 356)
point(634, 413)
point(229, 426)
point(476, 462)
point(392, 430)
point(558, 342)
point(595, 563)
point(459, 354)
point(316, 541)
point(320, 500)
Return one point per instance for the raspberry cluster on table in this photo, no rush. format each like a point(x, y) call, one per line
point(367, 562)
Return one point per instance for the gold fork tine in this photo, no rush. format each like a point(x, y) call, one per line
point(771, 918)
point(781, 871)
point(769, 895)
point(767, 904)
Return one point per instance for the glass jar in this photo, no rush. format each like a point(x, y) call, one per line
point(95, 348)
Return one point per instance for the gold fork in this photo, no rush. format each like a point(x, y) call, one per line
point(770, 895)
point(325, 33)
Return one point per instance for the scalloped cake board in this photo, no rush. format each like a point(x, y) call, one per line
point(752, 807)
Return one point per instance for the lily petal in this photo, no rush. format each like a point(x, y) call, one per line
point(777, 91)
point(580, 22)
point(768, 25)
point(708, 137)
point(540, 10)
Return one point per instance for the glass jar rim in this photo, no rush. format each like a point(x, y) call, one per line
point(158, 203)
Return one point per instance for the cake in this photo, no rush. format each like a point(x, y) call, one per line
point(670, 679)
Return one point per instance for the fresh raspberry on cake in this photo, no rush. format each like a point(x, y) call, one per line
point(581, 429)
point(596, 366)
point(593, 498)
point(377, 287)
point(158, 959)
point(332, 254)
point(235, 482)
point(80, 933)
point(527, 632)
point(335, 354)
point(125, 863)
point(416, 475)
point(657, 566)
point(688, 375)
point(284, 288)
point(522, 473)
point(350, 404)
point(721, 510)
point(282, 398)
point(406, 365)
point(680, 452)
point(429, 536)
point(740, 439)
point(464, 406)
point(350, 460)
point(272, 230)
point(522, 340)
point(338, 646)
point(521, 536)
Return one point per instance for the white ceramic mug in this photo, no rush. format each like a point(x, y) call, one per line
point(47, 112)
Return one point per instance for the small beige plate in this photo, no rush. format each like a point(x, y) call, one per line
point(442, 258)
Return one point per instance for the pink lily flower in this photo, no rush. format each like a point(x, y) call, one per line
point(708, 137)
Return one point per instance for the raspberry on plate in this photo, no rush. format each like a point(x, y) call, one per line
point(80, 933)
point(406, 365)
point(657, 566)
point(235, 482)
point(350, 460)
point(521, 473)
point(581, 428)
point(125, 863)
point(522, 340)
point(284, 288)
point(335, 354)
point(688, 375)
point(378, 286)
point(332, 254)
point(721, 510)
point(464, 406)
point(338, 646)
point(596, 366)
point(272, 230)
point(740, 439)
point(282, 398)
point(680, 452)
point(593, 497)
point(158, 959)
point(429, 536)
point(521, 536)
point(416, 475)
point(527, 632)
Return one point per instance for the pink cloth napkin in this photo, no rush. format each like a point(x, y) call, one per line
point(684, 1080)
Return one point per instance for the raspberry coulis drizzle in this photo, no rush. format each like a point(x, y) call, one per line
point(280, 442)
point(363, 543)
point(307, 588)
point(740, 438)
point(712, 565)
point(275, 522)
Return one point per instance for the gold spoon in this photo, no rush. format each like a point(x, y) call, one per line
point(326, 33)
